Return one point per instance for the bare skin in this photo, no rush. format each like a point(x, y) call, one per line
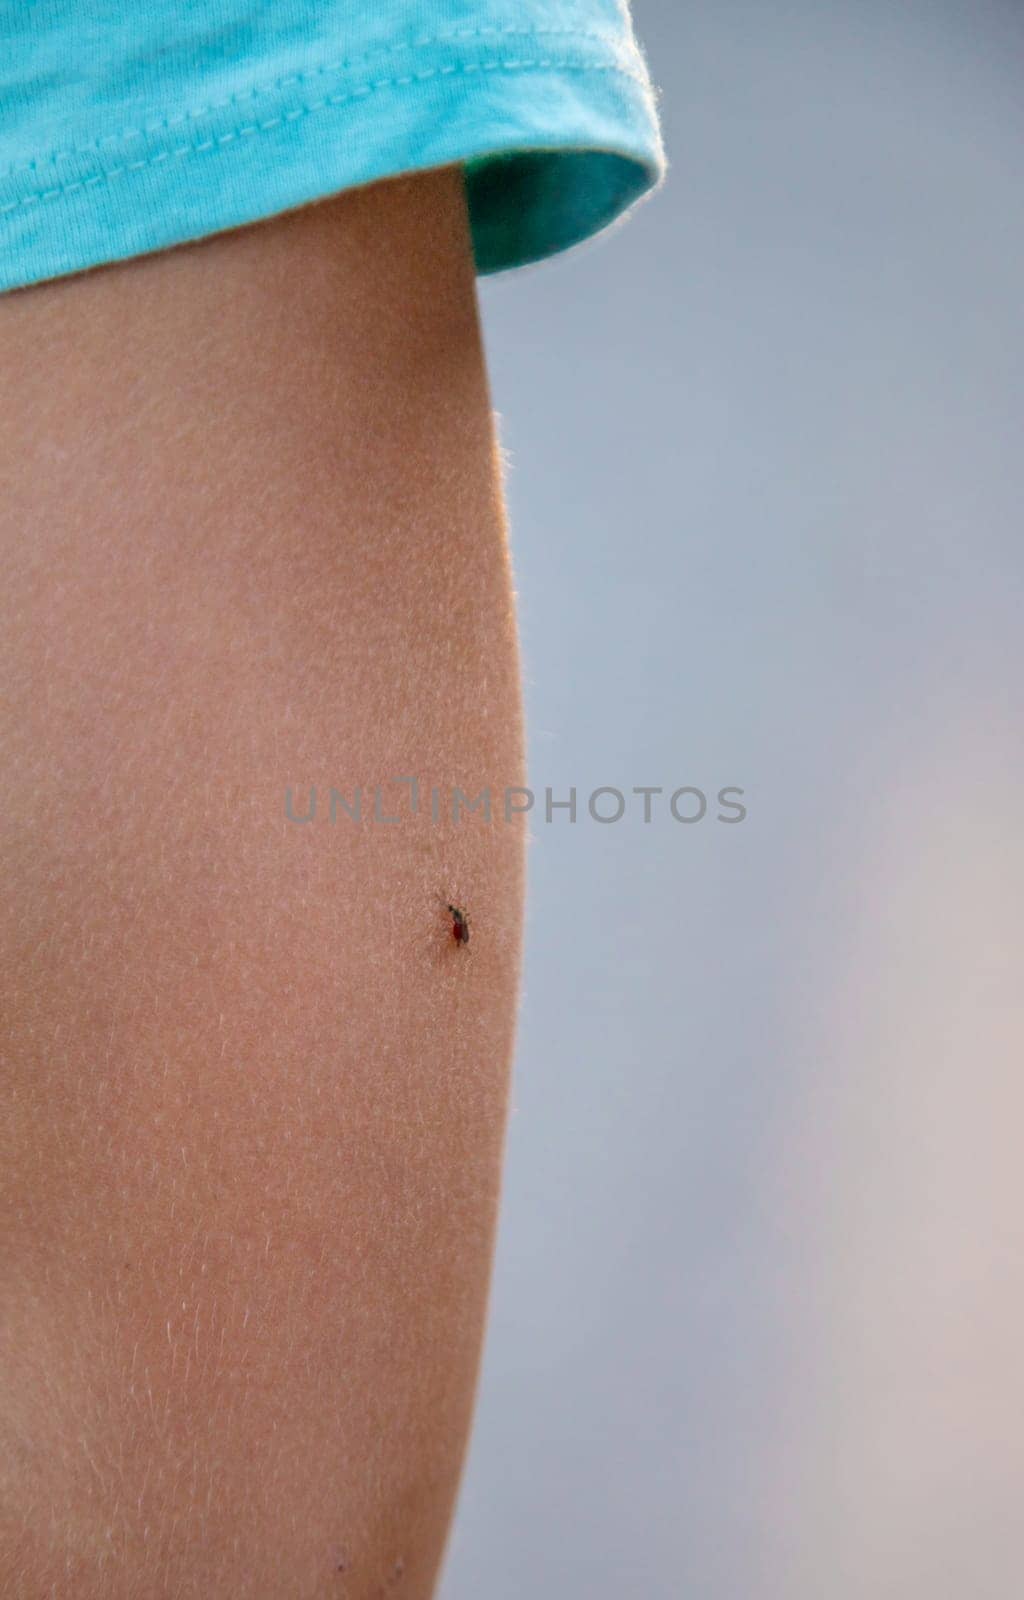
point(253, 1088)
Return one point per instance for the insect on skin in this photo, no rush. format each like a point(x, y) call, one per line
point(460, 925)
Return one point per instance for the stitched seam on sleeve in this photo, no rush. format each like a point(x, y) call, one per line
point(167, 122)
point(249, 130)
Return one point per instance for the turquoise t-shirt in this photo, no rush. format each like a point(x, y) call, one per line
point(130, 125)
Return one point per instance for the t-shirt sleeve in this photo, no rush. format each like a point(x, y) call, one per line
point(128, 126)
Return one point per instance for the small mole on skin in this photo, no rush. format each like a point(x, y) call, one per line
point(460, 925)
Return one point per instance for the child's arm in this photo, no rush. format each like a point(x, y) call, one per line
point(253, 1090)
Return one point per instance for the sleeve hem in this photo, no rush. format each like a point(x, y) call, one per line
point(557, 143)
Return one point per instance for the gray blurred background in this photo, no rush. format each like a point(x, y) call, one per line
point(759, 1302)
